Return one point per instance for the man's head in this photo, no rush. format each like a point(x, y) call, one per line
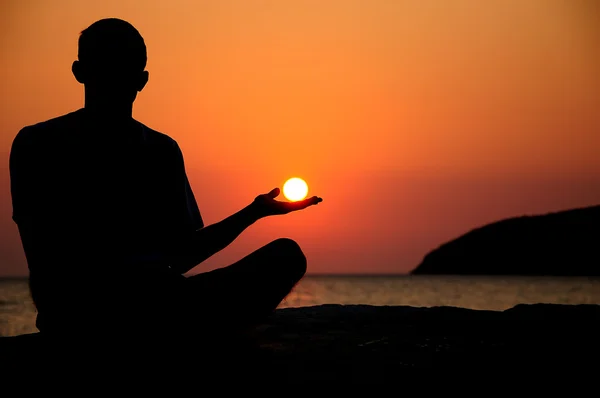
point(112, 58)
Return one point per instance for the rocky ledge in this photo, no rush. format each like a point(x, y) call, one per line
point(360, 343)
point(563, 243)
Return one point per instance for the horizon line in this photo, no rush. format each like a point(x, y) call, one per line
point(6, 277)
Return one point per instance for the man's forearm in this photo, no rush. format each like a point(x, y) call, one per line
point(209, 240)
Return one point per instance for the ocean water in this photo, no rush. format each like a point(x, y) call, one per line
point(17, 313)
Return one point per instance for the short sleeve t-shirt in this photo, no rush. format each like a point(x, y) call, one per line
point(92, 204)
point(85, 195)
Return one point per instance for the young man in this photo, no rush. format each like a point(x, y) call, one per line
point(109, 223)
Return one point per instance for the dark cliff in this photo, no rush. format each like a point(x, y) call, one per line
point(565, 243)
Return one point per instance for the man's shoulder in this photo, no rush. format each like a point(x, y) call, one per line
point(37, 133)
point(156, 138)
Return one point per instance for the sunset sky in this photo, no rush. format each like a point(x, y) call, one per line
point(415, 121)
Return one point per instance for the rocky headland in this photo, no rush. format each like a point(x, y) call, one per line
point(563, 243)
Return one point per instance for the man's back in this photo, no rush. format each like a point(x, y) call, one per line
point(95, 204)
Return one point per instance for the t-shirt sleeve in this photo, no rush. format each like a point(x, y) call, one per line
point(23, 178)
point(192, 206)
point(193, 218)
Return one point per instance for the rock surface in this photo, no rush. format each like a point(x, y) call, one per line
point(375, 344)
point(563, 243)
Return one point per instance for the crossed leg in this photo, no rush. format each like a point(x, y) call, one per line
point(244, 293)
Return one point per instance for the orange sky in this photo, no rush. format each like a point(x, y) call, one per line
point(414, 120)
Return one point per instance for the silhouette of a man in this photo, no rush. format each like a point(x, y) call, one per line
point(109, 223)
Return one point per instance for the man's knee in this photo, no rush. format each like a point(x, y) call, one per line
point(293, 256)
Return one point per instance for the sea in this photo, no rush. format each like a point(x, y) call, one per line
point(17, 312)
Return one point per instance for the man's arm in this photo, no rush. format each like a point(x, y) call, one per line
point(193, 248)
point(207, 241)
point(27, 199)
point(196, 242)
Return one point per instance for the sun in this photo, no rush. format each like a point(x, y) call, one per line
point(295, 189)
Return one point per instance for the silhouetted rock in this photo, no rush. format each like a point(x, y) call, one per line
point(352, 344)
point(564, 243)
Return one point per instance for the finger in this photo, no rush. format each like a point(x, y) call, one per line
point(274, 193)
point(302, 204)
point(312, 201)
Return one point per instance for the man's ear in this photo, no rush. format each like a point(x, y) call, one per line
point(78, 71)
point(143, 80)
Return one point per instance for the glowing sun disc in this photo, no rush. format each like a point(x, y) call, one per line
point(295, 189)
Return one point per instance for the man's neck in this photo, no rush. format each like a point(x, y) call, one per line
point(111, 123)
point(108, 114)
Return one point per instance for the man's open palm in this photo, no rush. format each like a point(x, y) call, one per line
point(268, 206)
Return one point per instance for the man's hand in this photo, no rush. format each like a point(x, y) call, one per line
point(266, 205)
